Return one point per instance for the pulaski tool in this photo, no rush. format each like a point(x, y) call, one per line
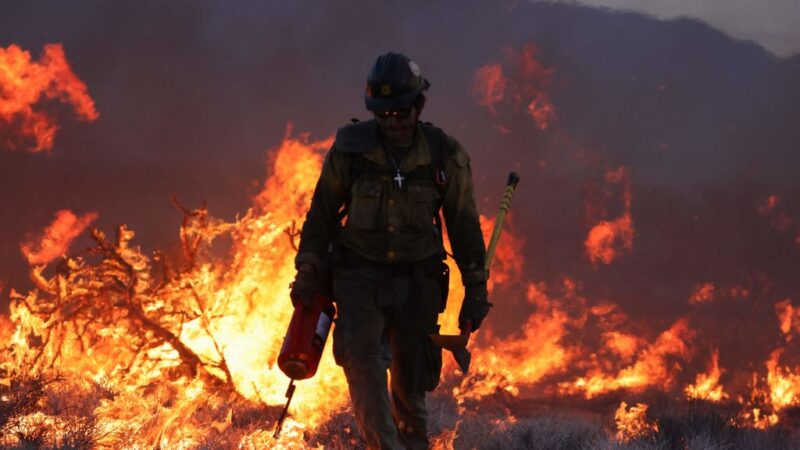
point(303, 344)
point(457, 344)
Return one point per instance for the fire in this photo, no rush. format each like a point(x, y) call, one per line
point(522, 359)
point(784, 384)
point(213, 324)
point(175, 354)
point(536, 82)
point(702, 293)
point(706, 386)
point(23, 85)
point(608, 238)
point(57, 237)
point(651, 367)
point(632, 422)
point(622, 344)
point(788, 317)
point(490, 86)
point(527, 86)
point(779, 218)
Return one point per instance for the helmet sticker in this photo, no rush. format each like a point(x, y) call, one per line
point(414, 68)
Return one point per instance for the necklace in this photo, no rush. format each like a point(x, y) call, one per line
point(398, 178)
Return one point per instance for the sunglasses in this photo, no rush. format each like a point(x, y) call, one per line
point(399, 114)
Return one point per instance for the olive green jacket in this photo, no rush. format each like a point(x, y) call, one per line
point(388, 224)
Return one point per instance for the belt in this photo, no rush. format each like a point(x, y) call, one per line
point(350, 258)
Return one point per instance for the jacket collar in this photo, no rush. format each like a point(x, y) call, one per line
point(418, 154)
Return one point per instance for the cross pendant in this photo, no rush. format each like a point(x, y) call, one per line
point(399, 179)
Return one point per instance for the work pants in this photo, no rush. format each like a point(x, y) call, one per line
point(385, 315)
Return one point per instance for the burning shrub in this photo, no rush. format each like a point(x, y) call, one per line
point(47, 410)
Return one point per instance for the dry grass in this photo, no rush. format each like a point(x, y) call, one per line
point(52, 413)
point(46, 411)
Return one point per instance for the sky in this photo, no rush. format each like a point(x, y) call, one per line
point(774, 24)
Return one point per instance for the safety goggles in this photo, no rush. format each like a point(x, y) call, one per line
point(399, 114)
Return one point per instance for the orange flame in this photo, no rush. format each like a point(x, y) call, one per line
point(632, 422)
point(706, 386)
point(702, 294)
point(607, 238)
point(242, 310)
point(779, 218)
point(789, 318)
point(525, 357)
point(57, 237)
point(527, 86)
point(784, 384)
point(490, 86)
point(652, 366)
point(537, 80)
point(23, 83)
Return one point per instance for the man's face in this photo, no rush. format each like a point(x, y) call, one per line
point(397, 126)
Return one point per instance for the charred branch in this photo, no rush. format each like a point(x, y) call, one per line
point(190, 244)
point(293, 233)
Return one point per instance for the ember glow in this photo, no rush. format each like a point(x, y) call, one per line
point(25, 84)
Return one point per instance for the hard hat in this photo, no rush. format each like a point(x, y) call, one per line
point(394, 82)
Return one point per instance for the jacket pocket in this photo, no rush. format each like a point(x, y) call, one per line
point(364, 205)
point(423, 200)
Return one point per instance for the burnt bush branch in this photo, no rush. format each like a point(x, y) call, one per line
point(107, 292)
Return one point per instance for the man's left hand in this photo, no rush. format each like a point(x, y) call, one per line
point(475, 306)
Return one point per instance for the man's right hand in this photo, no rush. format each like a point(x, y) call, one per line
point(304, 286)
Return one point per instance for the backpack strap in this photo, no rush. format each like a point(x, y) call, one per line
point(437, 146)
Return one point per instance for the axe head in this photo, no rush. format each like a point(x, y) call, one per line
point(457, 345)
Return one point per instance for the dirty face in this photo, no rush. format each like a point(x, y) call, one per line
point(397, 126)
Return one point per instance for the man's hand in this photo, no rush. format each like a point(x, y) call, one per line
point(304, 286)
point(475, 306)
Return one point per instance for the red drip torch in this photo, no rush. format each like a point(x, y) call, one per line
point(303, 344)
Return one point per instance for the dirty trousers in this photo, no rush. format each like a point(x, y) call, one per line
point(385, 316)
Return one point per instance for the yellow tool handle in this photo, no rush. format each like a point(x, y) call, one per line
point(505, 203)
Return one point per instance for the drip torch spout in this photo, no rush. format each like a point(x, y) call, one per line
point(289, 395)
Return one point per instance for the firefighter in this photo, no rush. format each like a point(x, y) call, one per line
point(374, 224)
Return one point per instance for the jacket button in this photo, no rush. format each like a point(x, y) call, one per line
point(391, 228)
point(391, 202)
point(391, 253)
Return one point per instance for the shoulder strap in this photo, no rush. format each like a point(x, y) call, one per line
point(437, 142)
point(436, 145)
point(357, 137)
